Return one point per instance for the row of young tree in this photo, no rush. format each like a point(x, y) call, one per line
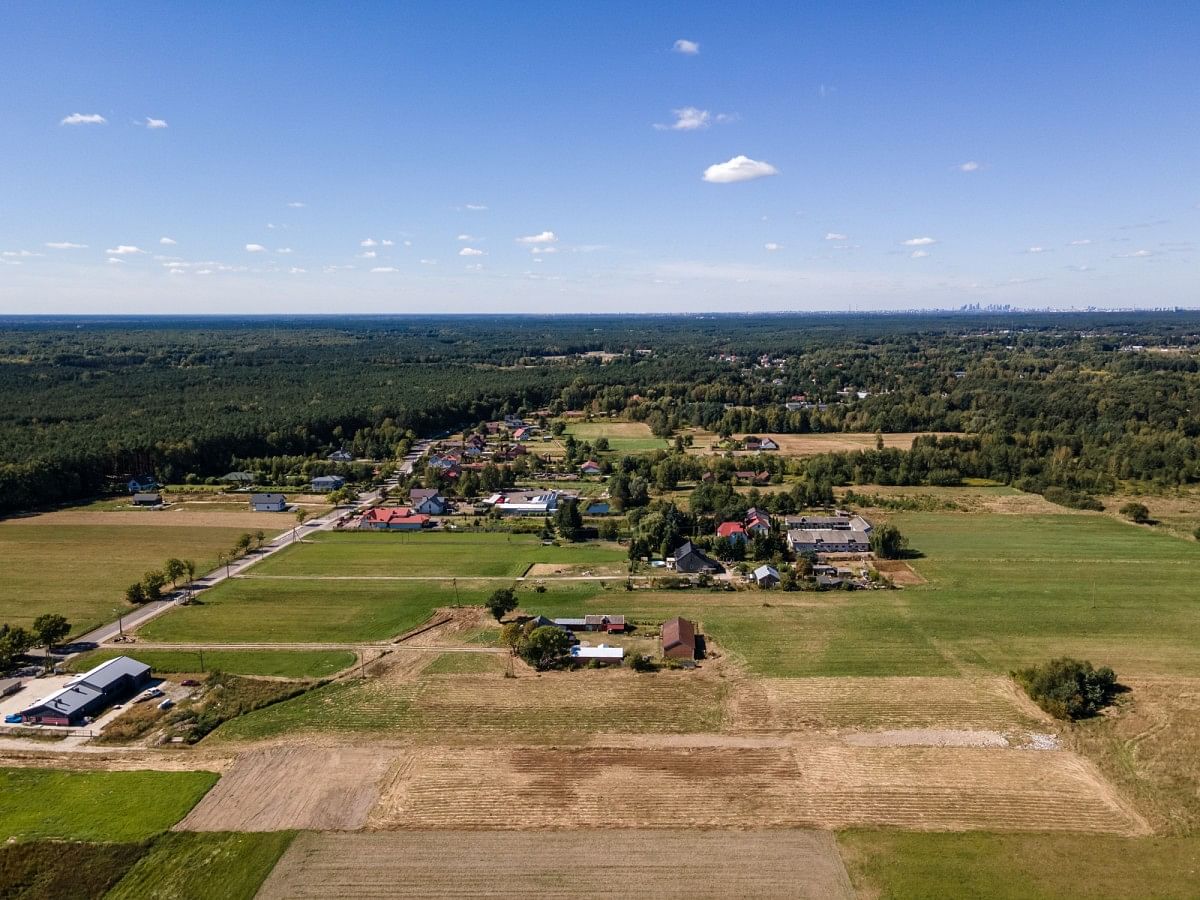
point(48, 630)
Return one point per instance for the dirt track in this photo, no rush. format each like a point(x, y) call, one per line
point(568, 864)
point(292, 787)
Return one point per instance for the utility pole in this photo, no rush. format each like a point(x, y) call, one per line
point(201, 652)
point(120, 623)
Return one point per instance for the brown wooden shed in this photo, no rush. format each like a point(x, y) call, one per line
point(678, 639)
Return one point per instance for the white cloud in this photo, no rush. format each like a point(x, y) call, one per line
point(255, 248)
point(541, 248)
point(772, 246)
point(84, 119)
point(1036, 250)
point(1135, 254)
point(470, 251)
point(167, 242)
point(1082, 242)
point(690, 118)
point(740, 168)
point(124, 250)
point(155, 123)
point(113, 259)
point(476, 207)
point(369, 242)
point(835, 236)
point(367, 254)
point(385, 269)
point(11, 253)
point(969, 166)
point(65, 245)
point(296, 270)
point(546, 237)
point(465, 237)
point(918, 254)
point(429, 262)
point(284, 250)
point(408, 243)
point(297, 204)
point(919, 242)
point(686, 47)
point(475, 267)
point(386, 243)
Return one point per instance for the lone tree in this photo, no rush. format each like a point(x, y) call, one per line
point(1136, 512)
point(887, 542)
point(501, 602)
point(1069, 688)
point(547, 647)
point(512, 636)
point(13, 644)
point(135, 593)
point(568, 521)
point(152, 583)
point(301, 515)
point(49, 629)
point(174, 570)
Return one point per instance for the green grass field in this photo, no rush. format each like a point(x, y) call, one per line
point(119, 807)
point(281, 663)
point(81, 571)
point(430, 555)
point(34, 870)
point(623, 437)
point(201, 865)
point(894, 865)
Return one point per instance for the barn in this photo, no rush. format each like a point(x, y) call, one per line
point(678, 639)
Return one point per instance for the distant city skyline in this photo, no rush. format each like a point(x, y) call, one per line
point(503, 158)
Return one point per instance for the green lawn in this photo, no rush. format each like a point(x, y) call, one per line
point(895, 865)
point(201, 865)
point(623, 437)
point(1007, 590)
point(430, 555)
point(81, 571)
point(282, 663)
point(119, 807)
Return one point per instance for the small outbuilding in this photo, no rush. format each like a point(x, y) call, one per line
point(766, 576)
point(325, 483)
point(268, 502)
point(678, 639)
point(147, 498)
point(591, 467)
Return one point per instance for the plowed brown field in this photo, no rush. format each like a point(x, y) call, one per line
point(568, 864)
point(292, 787)
point(825, 785)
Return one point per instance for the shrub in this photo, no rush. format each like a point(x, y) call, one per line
point(1068, 688)
point(1072, 499)
point(1136, 512)
point(640, 662)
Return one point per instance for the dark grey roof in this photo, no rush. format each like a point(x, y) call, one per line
point(147, 498)
point(268, 498)
point(423, 493)
point(77, 693)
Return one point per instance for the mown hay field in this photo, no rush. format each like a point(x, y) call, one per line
point(563, 865)
point(192, 866)
point(81, 571)
point(623, 437)
point(275, 663)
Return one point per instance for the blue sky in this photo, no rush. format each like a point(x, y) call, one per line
point(906, 155)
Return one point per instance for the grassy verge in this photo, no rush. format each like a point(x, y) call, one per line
point(35, 871)
point(466, 664)
point(200, 865)
point(119, 807)
point(893, 865)
point(280, 663)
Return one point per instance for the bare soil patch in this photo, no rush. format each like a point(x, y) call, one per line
point(900, 572)
point(563, 864)
point(575, 570)
point(293, 787)
point(814, 444)
point(943, 737)
point(823, 785)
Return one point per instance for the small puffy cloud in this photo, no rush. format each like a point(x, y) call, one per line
point(296, 270)
point(1082, 242)
point(740, 168)
point(1135, 254)
point(429, 262)
point(155, 123)
point(23, 253)
point(367, 254)
point(465, 237)
point(919, 242)
point(470, 251)
point(284, 250)
point(772, 246)
point(65, 245)
point(113, 259)
point(386, 243)
point(84, 119)
point(690, 118)
point(545, 237)
point(542, 248)
point(382, 269)
point(835, 236)
point(124, 250)
point(167, 242)
point(969, 166)
point(918, 254)
point(1036, 250)
point(297, 204)
point(255, 248)
point(476, 207)
point(369, 242)
point(686, 47)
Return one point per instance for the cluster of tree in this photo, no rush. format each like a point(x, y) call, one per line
point(543, 647)
point(1086, 415)
point(1069, 688)
point(48, 629)
point(152, 583)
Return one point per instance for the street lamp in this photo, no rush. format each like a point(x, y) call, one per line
point(120, 622)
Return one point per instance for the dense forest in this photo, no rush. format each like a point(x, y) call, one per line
point(1073, 402)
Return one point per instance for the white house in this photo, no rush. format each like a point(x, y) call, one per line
point(268, 503)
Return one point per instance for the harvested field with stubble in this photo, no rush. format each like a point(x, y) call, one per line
point(817, 785)
point(567, 864)
point(282, 788)
point(816, 704)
